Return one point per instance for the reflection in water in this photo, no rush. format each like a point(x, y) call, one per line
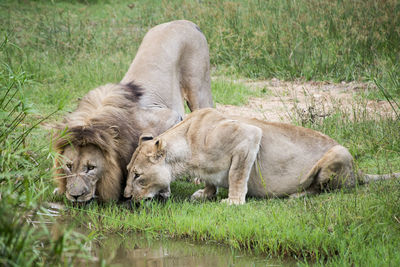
point(137, 250)
point(132, 249)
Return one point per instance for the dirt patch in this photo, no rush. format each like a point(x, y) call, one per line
point(290, 101)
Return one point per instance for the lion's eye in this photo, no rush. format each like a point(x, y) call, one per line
point(137, 175)
point(69, 166)
point(90, 167)
point(141, 182)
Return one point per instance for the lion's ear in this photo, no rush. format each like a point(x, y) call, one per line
point(160, 147)
point(114, 130)
point(158, 151)
point(145, 137)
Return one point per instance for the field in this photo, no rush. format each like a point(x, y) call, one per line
point(52, 53)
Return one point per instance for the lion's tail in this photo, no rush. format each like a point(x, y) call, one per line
point(367, 178)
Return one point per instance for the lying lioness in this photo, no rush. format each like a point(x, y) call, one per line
point(248, 156)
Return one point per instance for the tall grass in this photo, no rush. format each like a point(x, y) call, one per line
point(389, 88)
point(73, 47)
point(25, 237)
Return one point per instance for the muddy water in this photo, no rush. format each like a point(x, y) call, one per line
point(137, 250)
point(133, 249)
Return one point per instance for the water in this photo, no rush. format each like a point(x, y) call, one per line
point(137, 250)
point(133, 249)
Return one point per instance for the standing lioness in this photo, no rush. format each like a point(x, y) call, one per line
point(248, 156)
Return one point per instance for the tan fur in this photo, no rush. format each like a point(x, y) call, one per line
point(171, 66)
point(248, 156)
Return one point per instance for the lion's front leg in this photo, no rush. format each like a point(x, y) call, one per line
point(238, 177)
point(242, 162)
point(208, 192)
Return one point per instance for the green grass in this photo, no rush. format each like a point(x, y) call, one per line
point(58, 50)
point(371, 138)
point(344, 227)
point(25, 239)
point(234, 93)
point(71, 48)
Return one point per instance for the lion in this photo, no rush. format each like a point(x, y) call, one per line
point(96, 141)
point(250, 157)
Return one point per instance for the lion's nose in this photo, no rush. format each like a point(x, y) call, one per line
point(77, 191)
point(77, 196)
point(127, 193)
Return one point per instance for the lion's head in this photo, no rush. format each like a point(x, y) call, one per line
point(149, 175)
point(90, 165)
point(96, 142)
point(84, 167)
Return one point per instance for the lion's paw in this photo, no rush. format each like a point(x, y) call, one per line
point(198, 195)
point(197, 181)
point(56, 191)
point(233, 201)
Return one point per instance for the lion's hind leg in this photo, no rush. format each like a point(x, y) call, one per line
point(197, 92)
point(195, 74)
point(334, 170)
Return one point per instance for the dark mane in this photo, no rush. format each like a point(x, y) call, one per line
point(135, 91)
point(105, 118)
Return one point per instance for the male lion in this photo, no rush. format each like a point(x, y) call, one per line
point(248, 156)
point(97, 140)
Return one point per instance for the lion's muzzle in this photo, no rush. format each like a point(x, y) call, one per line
point(78, 190)
point(128, 192)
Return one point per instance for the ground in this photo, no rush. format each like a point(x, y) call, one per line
point(289, 101)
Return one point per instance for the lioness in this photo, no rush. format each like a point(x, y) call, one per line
point(248, 156)
point(97, 140)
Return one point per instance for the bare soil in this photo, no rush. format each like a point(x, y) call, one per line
point(299, 100)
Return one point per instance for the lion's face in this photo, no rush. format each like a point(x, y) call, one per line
point(83, 167)
point(149, 174)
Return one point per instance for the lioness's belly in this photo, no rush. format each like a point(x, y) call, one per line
point(219, 179)
point(257, 187)
point(278, 181)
